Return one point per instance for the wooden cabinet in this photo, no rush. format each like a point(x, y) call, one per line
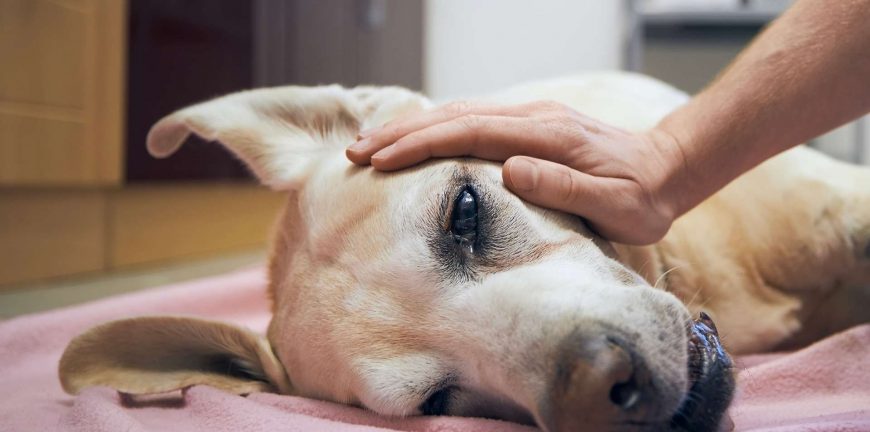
point(81, 82)
point(61, 92)
point(48, 232)
point(66, 203)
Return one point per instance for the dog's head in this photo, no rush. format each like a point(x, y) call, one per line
point(427, 291)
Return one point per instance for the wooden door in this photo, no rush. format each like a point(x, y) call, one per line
point(182, 52)
point(61, 92)
point(349, 42)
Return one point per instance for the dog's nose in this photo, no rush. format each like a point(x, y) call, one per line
point(599, 381)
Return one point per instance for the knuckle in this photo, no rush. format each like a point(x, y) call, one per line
point(458, 108)
point(569, 189)
point(471, 128)
point(470, 122)
point(392, 131)
point(562, 126)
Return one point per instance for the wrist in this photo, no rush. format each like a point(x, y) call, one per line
point(673, 185)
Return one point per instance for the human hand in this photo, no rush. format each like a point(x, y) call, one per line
point(620, 182)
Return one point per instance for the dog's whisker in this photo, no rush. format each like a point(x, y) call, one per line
point(643, 267)
point(694, 297)
point(663, 275)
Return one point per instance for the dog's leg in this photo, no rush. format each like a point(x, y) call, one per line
point(781, 256)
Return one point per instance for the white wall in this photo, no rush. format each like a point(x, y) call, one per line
point(478, 46)
point(845, 142)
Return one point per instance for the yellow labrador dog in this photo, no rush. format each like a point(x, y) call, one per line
point(436, 291)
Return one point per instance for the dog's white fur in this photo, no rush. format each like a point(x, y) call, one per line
point(366, 312)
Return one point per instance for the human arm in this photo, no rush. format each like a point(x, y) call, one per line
point(807, 73)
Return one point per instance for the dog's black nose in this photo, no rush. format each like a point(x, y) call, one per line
point(600, 381)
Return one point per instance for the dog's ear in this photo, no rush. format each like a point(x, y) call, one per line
point(278, 132)
point(159, 354)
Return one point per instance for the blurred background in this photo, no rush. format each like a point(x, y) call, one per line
point(85, 212)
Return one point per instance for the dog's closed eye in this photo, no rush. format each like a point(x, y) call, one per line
point(438, 402)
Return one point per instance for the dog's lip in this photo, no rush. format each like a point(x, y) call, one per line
point(704, 347)
point(711, 379)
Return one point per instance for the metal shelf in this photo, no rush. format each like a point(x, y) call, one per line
point(723, 17)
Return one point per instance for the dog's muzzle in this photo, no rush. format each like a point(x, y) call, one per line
point(601, 383)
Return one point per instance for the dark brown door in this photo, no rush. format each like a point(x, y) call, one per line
point(348, 42)
point(185, 51)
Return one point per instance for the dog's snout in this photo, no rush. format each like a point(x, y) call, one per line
point(598, 380)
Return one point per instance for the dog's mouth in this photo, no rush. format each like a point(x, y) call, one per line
point(712, 381)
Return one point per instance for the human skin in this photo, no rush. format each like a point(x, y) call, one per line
point(809, 72)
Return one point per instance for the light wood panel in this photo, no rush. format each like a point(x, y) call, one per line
point(158, 223)
point(61, 92)
point(48, 234)
point(38, 150)
point(105, 116)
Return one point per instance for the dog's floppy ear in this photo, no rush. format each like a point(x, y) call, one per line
point(159, 354)
point(278, 132)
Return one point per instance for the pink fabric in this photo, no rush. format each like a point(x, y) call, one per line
point(825, 387)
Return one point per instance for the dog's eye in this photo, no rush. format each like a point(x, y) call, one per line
point(437, 402)
point(463, 221)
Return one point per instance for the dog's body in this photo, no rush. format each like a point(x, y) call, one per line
point(434, 290)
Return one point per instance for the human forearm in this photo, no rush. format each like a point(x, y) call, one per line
point(806, 74)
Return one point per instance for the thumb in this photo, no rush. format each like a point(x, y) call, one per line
point(599, 201)
point(552, 185)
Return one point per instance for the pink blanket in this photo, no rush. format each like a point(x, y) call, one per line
point(825, 387)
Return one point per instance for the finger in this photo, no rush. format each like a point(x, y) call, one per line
point(483, 137)
point(373, 140)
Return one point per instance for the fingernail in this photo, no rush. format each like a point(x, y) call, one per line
point(383, 154)
point(360, 145)
point(368, 132)
point(524, 175)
